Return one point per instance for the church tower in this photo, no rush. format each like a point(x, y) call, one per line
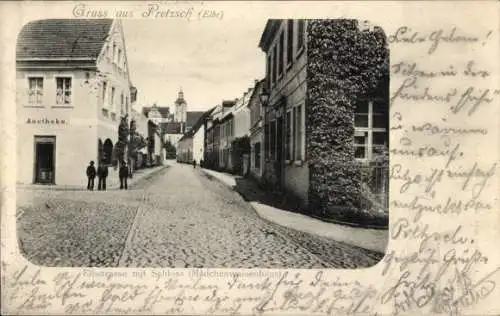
point(180, 108)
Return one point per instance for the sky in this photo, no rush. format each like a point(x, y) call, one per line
point(211, 61)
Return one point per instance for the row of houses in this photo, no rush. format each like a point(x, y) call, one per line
point(73, 90)
point(300, 129)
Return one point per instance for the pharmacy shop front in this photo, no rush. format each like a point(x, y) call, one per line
point(54, 150)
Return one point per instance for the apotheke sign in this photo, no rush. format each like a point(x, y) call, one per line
point(46, 121)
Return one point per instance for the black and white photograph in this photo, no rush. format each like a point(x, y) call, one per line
point(146, 143)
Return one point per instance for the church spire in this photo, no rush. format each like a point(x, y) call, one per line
point(181, 94)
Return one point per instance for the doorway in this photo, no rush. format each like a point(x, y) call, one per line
point(45, 148)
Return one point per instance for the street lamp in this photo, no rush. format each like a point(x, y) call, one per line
point(264, 97)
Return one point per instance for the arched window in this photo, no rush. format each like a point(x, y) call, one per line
point(107, 151)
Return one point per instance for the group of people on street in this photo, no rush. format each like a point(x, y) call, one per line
point(102, 174)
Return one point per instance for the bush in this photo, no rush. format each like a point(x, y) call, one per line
point(344, 63)
point(239, 147)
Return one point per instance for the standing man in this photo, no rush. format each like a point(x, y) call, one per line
point(194, 163)
point(123, 174)
point(90, 176)
point(102, 173)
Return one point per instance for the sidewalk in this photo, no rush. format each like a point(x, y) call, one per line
point(265, 205)
point(113, 181)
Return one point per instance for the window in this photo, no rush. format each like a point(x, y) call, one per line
point(273, 140)
point(126, 104)
point(269, 69)
point(122, 104)
point(35, 90)
point(298, 132)
point(104, 92)
point(119, 58)
point(266, 141)
point(288, 144)
point(282, 53)
point(114, 52)
point(112, 100)
point(370, 125)
point(275, 64)
point(289, 42)
point(63, 90)
point(257, 155)
point(300, 34)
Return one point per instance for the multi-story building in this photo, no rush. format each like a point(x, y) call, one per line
point(213, 150)
point(289, 69)
point(226, 127)
point(240, 157)
point(256, 134)
point(191, 146)
point(173, 125)
point(73, 86)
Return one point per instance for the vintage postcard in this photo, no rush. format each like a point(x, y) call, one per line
point(250, 158)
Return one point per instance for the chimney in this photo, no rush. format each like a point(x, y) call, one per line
point(256, 81)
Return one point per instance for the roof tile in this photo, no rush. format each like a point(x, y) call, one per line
point(63, 38)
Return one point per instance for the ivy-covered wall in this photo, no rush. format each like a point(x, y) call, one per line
point(344, 62)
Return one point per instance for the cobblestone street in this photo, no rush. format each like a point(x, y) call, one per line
point(176, 217)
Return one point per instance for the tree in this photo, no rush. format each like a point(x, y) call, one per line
point(131, 148)
point(170, 151)
point(123, 136)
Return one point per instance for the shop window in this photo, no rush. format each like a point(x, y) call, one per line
point(35, 90)
point(63, 90)
point(370, 123)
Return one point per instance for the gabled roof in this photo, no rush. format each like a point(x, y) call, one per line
point(270, 30)
point(63, 39)
point(256, 91)
point(228, 103)
point(198, 124)
point(192, 117)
